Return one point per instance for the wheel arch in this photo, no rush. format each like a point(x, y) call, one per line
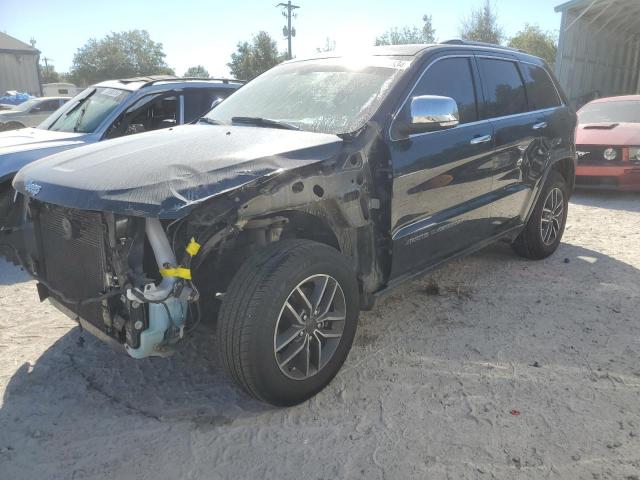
point(567, 168)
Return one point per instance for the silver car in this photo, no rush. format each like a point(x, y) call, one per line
point(30, 113)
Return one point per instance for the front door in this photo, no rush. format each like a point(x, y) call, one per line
point(442, 179)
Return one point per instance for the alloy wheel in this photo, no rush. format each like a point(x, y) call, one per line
point(552, 216)
point(309, 327)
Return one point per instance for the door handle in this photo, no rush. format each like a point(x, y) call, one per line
point(482, 139)
point(540, 126)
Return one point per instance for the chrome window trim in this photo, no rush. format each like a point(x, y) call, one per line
point(415, 85)
point(478, 122)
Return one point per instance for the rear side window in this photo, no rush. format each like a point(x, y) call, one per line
point(540, 89)
point(503, 88)
point(452, 78)
point(199, 102)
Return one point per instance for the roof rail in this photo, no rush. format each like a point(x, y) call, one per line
point(150, 80)
point(471, 43)
point(221, 79)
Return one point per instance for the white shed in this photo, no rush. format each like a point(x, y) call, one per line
point(599, 48)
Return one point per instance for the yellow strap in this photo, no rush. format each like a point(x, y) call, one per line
point(179, 272)
point(193, 248)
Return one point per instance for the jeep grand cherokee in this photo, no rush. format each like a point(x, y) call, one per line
point(298, 201)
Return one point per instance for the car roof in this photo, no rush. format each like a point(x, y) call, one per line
point(417, 50)
point(136, 83)
point(621, 98)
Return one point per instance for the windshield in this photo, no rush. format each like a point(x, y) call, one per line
point(85, 112)
point(622, 112)
point(26, 106)
point(325, 96)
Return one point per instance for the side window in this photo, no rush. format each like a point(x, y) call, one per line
point(540, 88)
point(152, 112)
point(48, 106)
point(503, 88)
point(199, 102)
point(451, 77)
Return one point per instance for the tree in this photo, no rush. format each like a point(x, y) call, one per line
point(255, 58)
point(408, 35)
point(197, 72)
point(482, 25)
point(329, 46)
point(49, 74)
point(119, 55)
point(428, 32)
point(532, 39)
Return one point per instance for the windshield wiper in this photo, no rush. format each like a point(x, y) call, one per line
point(208, 120)
point(264, 122)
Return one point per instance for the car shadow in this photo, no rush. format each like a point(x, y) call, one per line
point(79, 376)
point(10, 274)
point(624, 201)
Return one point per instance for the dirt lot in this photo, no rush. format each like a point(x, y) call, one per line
point(494, 367)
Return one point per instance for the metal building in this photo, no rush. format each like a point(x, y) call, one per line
point(599, 48)
point(19, 66)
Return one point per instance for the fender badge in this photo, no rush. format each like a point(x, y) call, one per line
point(32, 189)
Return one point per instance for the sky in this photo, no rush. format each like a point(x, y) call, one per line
point(206, 32)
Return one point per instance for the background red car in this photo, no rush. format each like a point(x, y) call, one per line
point(608, 144)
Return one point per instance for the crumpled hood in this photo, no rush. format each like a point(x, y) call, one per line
point(23, 146)
point(609, 134)
point(166, 173)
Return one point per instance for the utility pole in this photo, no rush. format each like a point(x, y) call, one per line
point(289, 32)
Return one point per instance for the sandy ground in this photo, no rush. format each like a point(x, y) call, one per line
point(494, 367)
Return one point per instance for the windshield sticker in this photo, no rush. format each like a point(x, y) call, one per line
point(111, 92)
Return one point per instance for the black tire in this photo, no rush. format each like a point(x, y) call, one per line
point(253, 304)
point(530, 243)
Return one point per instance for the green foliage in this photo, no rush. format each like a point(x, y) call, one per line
point(409, 35)
point(532, 39)
point(49, 74)
point(255, 58)
point(118, 55)
point(482, 25)
point(197, 72)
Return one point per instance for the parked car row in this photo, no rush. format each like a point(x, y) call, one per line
point(106, 111)
point(29, 113)
point(298, 201)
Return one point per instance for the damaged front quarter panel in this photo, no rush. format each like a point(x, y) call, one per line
point(335, 201)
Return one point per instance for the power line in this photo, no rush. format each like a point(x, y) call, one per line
point(289, 32)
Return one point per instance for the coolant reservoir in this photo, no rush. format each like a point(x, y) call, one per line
point(159, 322)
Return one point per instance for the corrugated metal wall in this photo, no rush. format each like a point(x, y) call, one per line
point(19, 71)
point(593, 56)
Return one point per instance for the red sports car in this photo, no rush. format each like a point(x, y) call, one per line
point(608, 143)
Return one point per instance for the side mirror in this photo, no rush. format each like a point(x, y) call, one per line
point(36, 109)
point(430, 112)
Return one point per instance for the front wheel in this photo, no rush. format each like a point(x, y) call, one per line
point(543, 232)
point(288, 320)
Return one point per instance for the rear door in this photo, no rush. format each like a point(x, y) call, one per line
point(522, 141)
point(441, 179)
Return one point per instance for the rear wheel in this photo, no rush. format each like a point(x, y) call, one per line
point(543, 232)
point(288, 320)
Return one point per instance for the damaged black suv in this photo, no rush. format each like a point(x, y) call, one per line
point(298, 201)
